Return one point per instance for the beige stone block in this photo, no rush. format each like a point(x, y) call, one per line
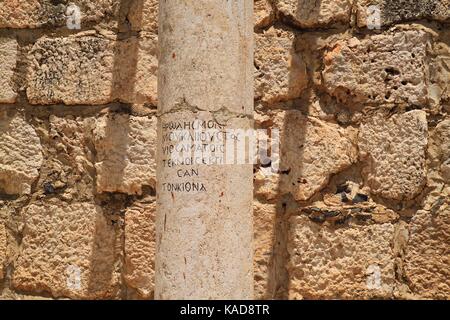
point(281, 71)
point(313, 14)
point(388, 68)
point(48, 13)
point(68, 168)
point(354, 262)
point(20, 154)
point(68, 250)
point(426, 255)
point(140, 248)
point(393, 151)
point(126, 147)
point(93, 70)
point(312, 151)
point(8, 60)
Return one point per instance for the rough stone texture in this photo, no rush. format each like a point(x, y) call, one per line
point(313, 14)
point(20, 154)
point(393, 150)
point(264, 228)
point(394, 11)
point(89, 69)
point(264, 13)
point(382, 69)
point(281, 72)
point(143, 15)
point(68, 169)
point(427, 253)
point(354, 262)
point(8, 58)
point(126, 147)
point(68, 251)
point(49, 13)
point(312, 150)
point(140, 248)
point(3, 244)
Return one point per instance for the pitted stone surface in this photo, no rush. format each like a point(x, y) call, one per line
point(387, 68)
point(20, 154)
point(68, 250)
point(393, 151)
point(126, 147)
point(354, 262)
point(8, 59)
point(281, 72)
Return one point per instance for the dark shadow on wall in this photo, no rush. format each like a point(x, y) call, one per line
point(125, 60)
point(293, 135)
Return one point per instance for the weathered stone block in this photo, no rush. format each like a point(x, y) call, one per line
point(311, 151)
point(126, 147)
point(90, 69)
point(281, 72)
point(8, 60)
point(355, 262)
point(426, 257)
point(20, 154)
point(393, 151)
point(68, 168)
point(50, 13)
point(394, 11)
point(140, 248)
point(382, 69)
point(68, 250)
point(313, 14)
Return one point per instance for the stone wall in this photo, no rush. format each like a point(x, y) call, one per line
point(359, 208)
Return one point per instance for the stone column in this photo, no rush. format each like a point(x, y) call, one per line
point(204, 204)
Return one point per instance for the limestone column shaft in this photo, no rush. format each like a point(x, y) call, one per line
point(204, 202)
